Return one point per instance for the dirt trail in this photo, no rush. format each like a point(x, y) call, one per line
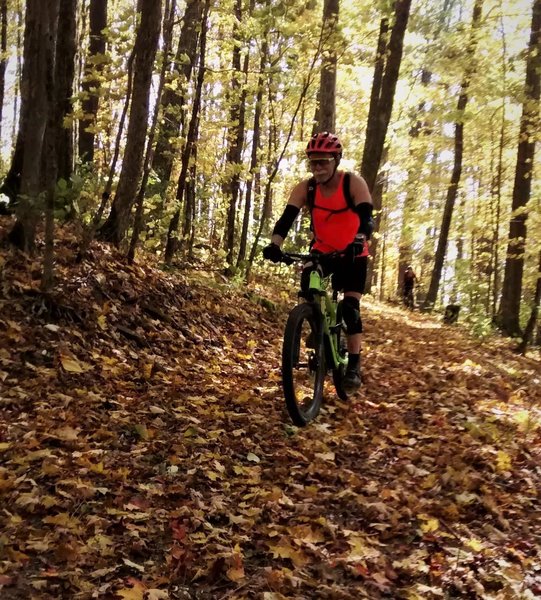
point(145, 452)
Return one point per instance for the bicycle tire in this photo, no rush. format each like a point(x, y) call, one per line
point(341, 345)
point(303, 368)
point(409, 301)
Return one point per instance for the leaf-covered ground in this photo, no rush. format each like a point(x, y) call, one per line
point(145, 451)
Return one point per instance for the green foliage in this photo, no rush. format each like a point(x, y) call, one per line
point(420, 139)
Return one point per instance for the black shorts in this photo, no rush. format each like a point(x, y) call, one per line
point(348, 275)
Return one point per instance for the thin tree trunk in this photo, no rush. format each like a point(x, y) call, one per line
point(64, 75)
point(11, 185)
point(18, 72)
point(256, 140)
point(532, 321)
point(90, 231)
point(188, 229)
point(115, 227)
point(235, 140)
point(172, 241)
point(496, 192)
point(452, 190)
point(411, 202)
point(377, 199)
point(325, 118)
point(509, 311)
point(3, 57)
point(173, 99)
point(381, 104)
point(168, 38)
point(91, 81)
point(54, 123)
point(39, 29)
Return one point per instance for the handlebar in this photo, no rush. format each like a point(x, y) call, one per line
point(289, 258)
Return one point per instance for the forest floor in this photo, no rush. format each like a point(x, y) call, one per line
point(145, 452)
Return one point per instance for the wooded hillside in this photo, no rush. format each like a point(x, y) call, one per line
point(180, 126)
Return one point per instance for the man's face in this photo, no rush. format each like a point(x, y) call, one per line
point(322, 165)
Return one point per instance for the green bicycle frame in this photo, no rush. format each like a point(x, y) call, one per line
point(328, 307)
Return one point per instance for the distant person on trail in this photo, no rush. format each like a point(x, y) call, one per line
point(340, 208)
point(407, 289)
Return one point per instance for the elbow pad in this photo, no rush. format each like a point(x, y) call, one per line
point(366, 225)
point(283, 225)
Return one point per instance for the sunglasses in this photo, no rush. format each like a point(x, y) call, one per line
point(319, 162)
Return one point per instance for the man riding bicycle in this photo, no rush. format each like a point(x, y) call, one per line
point(407, 290)
point(340, 208)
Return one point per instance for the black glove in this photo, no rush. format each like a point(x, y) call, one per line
point(356, 248)
point(273, 253)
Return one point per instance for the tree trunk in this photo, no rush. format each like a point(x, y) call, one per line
point(3, 57)
point(509, 311)
point(377, 199)
point(325, 119)
point(90, 231)
point(496, 205)
point(18, 69)
point(91, 79)
point(235, 141)
point(382, 97)
point(172, 240)
point(11, 185)
point(173, 99)
point(188, 228)
point(411, 201)
point(168, 23)
point(256, 141)
point(40, 26)
point(64, 75)
point(115, 227)
point(452, 190)
point(50, 150)
point(532, 321)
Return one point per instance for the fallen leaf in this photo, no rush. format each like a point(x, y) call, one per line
point(253, 457)
point(326, 455)
point(133, 565)
point(155, 594)
point(68, 434)
point(137, 592)
point(72, 365)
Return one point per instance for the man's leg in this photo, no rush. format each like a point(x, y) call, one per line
point(352, 318)
point(351, 311)
point(354, 339)
point(353, 277)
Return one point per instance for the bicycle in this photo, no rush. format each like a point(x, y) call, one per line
point(409, 301)
point(314, 343)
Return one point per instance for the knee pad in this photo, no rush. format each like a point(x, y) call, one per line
point(351, 314)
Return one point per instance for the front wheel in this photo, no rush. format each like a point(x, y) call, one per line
point(303, 364)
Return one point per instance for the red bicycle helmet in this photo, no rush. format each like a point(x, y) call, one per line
point(324, 142)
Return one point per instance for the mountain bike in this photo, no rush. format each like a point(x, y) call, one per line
point(314, 343)
point(408, 299)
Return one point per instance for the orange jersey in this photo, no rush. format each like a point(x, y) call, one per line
point(334, 223)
